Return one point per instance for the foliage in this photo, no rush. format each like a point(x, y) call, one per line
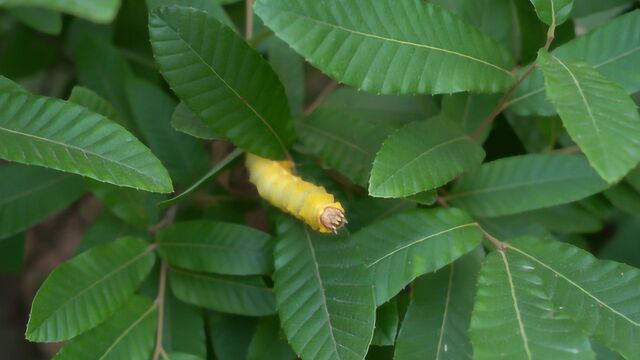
point(486, 154)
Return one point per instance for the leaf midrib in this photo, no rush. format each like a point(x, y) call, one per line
point(129, 329)
point(215, 279)
point(240, 97)
point(38, 188)
point(402, 42)
point(394, 251)
point(98, 281)
point(574, 284)
point(322, 291)
point(596, 66)
point(79, 149)
point(424, 153)
point(459, 195)
point(446, 310)
point(514, 299)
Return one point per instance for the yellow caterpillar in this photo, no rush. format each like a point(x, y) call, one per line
point(310, 203)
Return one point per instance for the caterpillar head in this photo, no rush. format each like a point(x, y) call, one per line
point(332, 218)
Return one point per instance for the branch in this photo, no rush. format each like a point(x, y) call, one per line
point(160, 304)
point(168, 218)
point(321, 97)
point(497, 243)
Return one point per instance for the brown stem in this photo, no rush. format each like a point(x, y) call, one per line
point(160, 304)
point(497, 243)
point(248, 30)
point(168, 218)
point(321, 97)
point(568, 150)
point(502, 104)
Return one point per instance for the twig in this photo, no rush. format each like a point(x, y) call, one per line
point(168, 218)
point(248, 30)
point(497, 243)
point(502, 104)
point(160, 304)
point(321, 97)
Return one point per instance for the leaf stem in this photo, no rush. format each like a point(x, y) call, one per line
point(160, 304)
point(168, 218)
point(502, 104)
point(248, 30)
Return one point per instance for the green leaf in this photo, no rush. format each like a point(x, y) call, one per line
point(222, 248)
point(603, 300)
point(469, 111)
point(527, 182)
point(625, 198)
point(404, 246)
point(290, 68)
point(624, 245)
point(566, 219)
point(183, 328)
point(496, 18)
point(230, 335)
point(100, 11)
point(7, 84)
point(267, 340)
point(343, 141)
point(43, 20)
point(101, 68)
point(137, 208)
point(241, 100)
point(184, 120)
point(613, 50)
point(437, 321)
point(387, 54)
point(325, 274)
point(511, 226)
point(598, 114)
point(382, 108)
point(633, 178)
point(387, 319)
point(422, 156)
point(183, 356)
point(105, 229)
point(212, 7)
point(242, 295)
point(12, 254)
point(516, 317)
point(94, 102)
point(53, 133)
point(87, 289)
point(586, 7)
point(553, 12)
point(129, 334)
point(28, 194)
point(183, 156)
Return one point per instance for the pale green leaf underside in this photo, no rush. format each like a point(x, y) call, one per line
point(515, 317)
point(422, 156)
point(605, 300)
point(404, 246)
point(100, 11)
point(598, 114)
point(527, 182)
point(325, 300)
point(242, 295)
point(53, 133)
point(613, 50)
point(222, 79)
point(553, 12)
point(437, 321)
point(129, 334)
point(217, 247)
point(390, 46)
point(87, 289)
point(22, 187)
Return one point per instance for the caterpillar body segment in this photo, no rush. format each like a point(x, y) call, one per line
point(308, 202)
